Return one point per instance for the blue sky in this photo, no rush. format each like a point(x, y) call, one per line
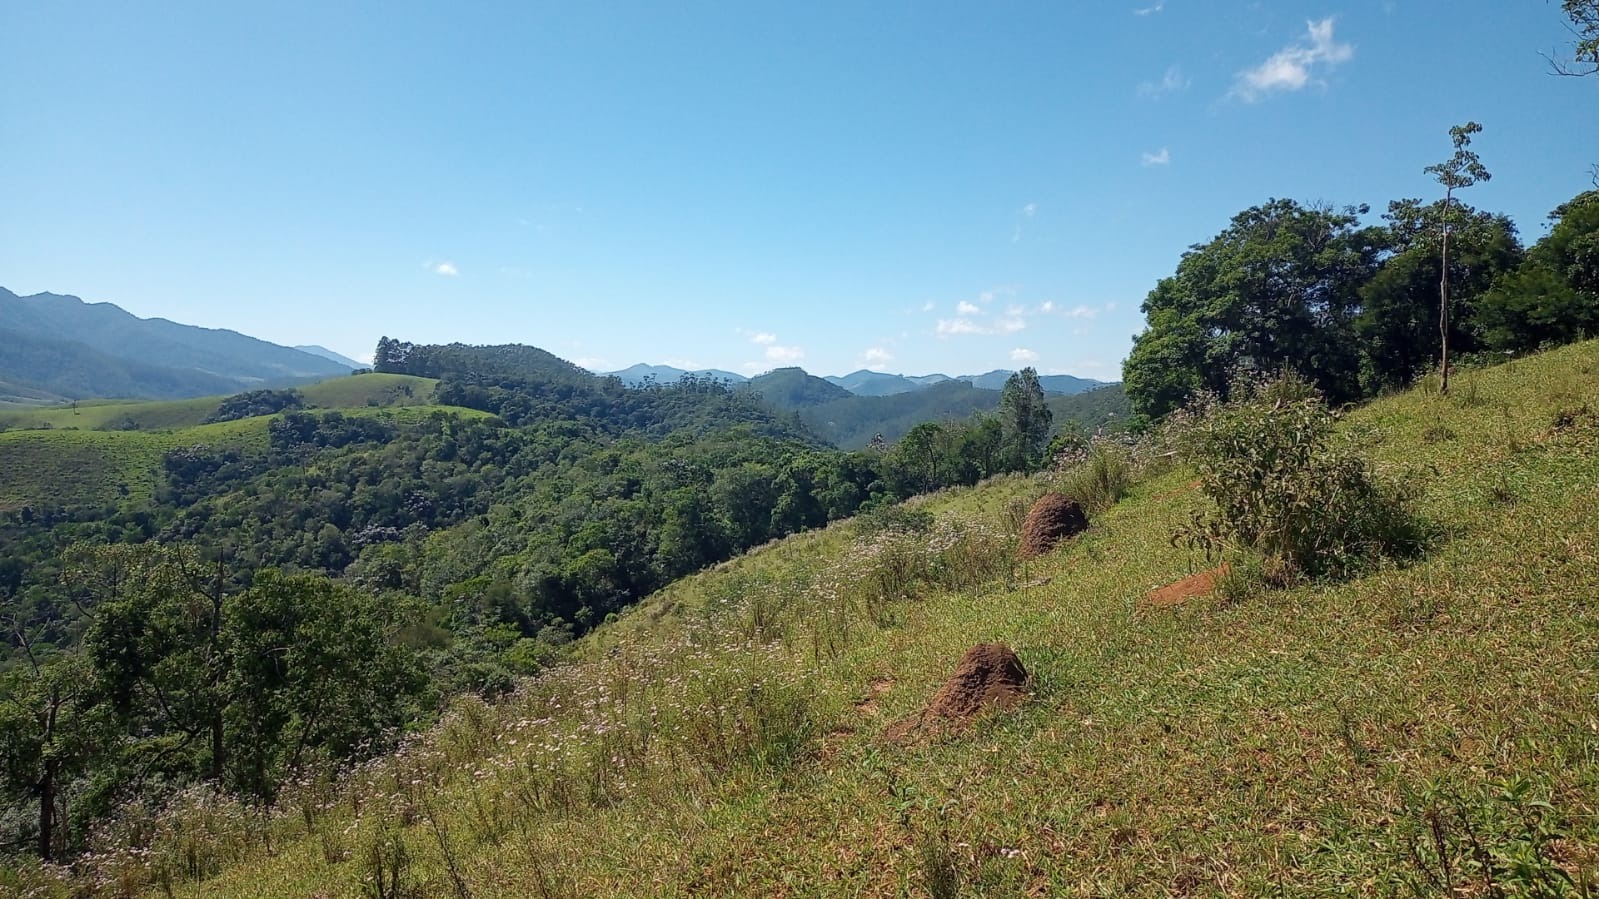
point(910, 187)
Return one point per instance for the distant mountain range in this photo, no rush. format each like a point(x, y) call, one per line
point(328, 354)
point(638, 375)
point(55, 348)
point(863, 382)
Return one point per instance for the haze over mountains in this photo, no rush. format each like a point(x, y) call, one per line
point(864, 382)
point(55, 348)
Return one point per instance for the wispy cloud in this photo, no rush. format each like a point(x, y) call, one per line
point(784, 354)
point(1156, 7)
point(447, 269)
point(763, 338)
point(1161, 158)
point(948, 327)
point(1030, 210)
point(1174, 81)
point(1295, 66)
point(965, 308)
point(592, 363)
point(1082, 312)
point(928, 306)
point(877, 358)
point(1022, 354)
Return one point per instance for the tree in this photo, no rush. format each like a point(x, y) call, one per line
point(312, 668)
point(1025, 419)
point(157, 642)
point(1553, 298)
point(53, 726)
point(1584, 15)
point(1279, 289)
point(1458, 172)
point(1395, 327)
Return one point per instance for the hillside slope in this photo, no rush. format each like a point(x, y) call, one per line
point(1424, 729)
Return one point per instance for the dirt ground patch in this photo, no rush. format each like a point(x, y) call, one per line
point(1179, 592)
point(1052, 519)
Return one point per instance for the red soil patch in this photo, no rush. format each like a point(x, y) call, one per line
point(1179, 592)
point(989, 676)
point(1052, 519)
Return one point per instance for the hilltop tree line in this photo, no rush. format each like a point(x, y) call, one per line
point(1358, 309)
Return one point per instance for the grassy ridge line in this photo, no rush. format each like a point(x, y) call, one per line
point(1305, 741)
point(356, 391)
point(64, 467)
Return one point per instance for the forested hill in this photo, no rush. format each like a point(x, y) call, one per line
point(525, 385)
point(405, 554)
point(64, 348)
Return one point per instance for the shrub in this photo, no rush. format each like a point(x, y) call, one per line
point(1286, 486)
point(1101, 479)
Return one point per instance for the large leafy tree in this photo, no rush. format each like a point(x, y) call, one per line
point(1278, 289)
point(53, 727)
point(1554, 296)
point(1025, 418)
point(312, 669)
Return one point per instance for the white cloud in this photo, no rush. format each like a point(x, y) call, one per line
point(877, 358)
point(1158, 6)
point(1161, 158)
point(1030, 210)
point(965, 308)
point(784, 353)
point(1083, 312)
point(1021, 354)
point(1174, 81)
point(764, 339)
point(949, 326)
point(446, 269)
point(592, 363)
point(1295, 66)
point(927, 306)
point(1048, 307)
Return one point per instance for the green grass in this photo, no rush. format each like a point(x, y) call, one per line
point(367, 390)
point(88, 468)
point(1421, 730)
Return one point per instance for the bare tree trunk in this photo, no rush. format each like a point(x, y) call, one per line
point(47, 811)
point(1443, 301)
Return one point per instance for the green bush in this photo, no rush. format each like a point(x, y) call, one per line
point(1101, 479)
point(1285, 485)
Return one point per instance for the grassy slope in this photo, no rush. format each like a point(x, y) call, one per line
point(725, 738)
point(66, 467)
point(357, 391)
